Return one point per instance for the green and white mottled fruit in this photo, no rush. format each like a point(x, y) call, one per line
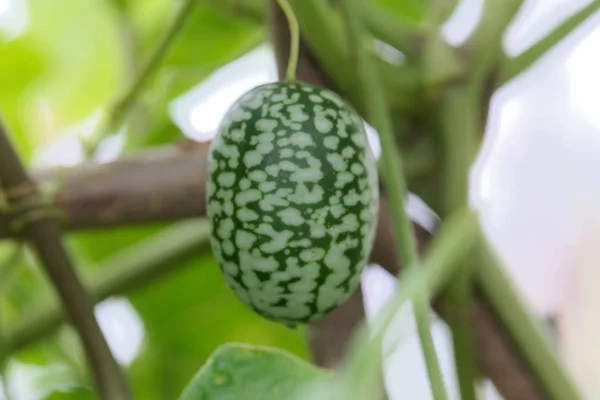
point(292, 200)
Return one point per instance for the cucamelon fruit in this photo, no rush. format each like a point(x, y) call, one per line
point(292, 198)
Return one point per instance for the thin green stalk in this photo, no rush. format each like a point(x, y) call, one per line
point(290, 73)
point(399, 33)
point(451, 245)
point(461, 129)
point(513, 67)
point(526, 333)
point(460, 124)
point(323, 35)
point(122, 106)
point(460, 138)
point(393, 173)
point(485, 44)
point(125, 103)
point(496, 16)
point(377, 114)
point(459, 299)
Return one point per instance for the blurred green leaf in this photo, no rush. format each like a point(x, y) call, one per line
point(22, 284)
point(59, 71)
point(22, 63)
point(92, 247)
point(408, 10)
point(75, 394)
point(149, 19)
point(80, 45)
point(245, 372)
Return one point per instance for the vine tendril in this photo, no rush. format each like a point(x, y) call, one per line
point(290, 74)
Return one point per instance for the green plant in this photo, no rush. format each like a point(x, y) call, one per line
point(429, 110)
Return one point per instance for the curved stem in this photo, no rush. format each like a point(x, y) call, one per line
point(290, 74)
point(124, 104)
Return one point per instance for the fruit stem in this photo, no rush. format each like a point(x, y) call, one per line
point(290, 74)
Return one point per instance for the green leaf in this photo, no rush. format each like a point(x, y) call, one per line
point(22, 64)
point(245, 372)
point(23, 283)
point(75, 394)
point(80, 45)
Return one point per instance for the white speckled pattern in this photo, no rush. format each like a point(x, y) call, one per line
point(292, 200)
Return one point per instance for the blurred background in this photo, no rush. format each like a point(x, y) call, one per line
point(534, 183)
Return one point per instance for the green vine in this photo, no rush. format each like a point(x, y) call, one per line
point(290, 74)
point(460, 127)
point(394, 178)
point(125, 103)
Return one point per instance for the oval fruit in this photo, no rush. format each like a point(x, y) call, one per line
point(292, 200)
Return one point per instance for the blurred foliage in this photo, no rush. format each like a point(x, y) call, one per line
point(62, 70)
point(408, 10)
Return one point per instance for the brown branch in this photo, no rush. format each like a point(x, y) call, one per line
point(44, 234)
point(164, 184)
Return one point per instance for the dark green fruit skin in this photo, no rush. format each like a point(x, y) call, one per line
point(292, 198)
